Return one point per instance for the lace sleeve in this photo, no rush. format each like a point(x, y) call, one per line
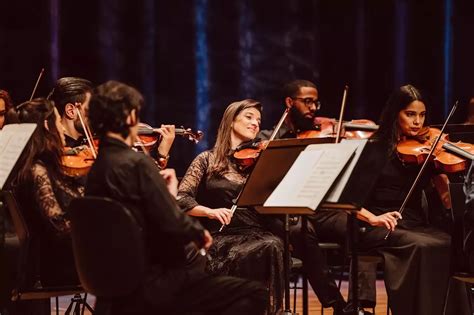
point(47, 202)
point(189, 184)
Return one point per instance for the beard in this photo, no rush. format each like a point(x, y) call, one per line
point(300, 121)
point(78, 126)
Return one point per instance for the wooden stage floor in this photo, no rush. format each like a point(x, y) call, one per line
point(314, 305)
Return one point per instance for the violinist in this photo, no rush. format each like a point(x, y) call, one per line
point(302, 97)
point(250, 245)
point(416, 254)
point(132, 179)
point(44, 192)
point(116, 90)
point(72, 95)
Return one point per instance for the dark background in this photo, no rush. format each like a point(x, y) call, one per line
point(191, 58)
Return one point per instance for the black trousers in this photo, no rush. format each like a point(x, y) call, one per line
point(189, 290)
point(416, 263)
point(306, 247)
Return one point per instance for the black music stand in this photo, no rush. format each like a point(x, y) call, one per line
point(271, 167)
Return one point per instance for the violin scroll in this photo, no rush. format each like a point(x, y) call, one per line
point(149, 136)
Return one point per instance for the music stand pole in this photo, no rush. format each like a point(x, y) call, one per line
point(352, 242)
point(286, 267)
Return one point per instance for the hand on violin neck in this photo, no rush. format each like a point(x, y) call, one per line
point(168, 134)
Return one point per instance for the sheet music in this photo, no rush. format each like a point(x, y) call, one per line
point(336, 191)
point(13, 139)
point(311, 176)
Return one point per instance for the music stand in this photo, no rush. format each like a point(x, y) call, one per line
point(273, 164)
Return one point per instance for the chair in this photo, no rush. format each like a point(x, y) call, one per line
point(108, 250)
point(297, 271)
point(27, 255)
point(468, 280)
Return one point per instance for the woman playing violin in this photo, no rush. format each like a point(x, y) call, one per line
point(44, 191)
point(416, 254)
point(250, 245)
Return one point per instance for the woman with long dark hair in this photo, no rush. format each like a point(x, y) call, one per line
point(416, 254)
point(250, 245)
point(44, 192)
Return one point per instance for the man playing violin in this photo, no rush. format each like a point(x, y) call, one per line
point(302, 98)
point(71, 95)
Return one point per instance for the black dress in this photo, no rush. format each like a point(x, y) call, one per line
point(245, 248)
point(44, 202)
point(416, 255)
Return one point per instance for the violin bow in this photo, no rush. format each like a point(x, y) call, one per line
point(420, 172)
point(36, 84)
point(87, 133)
point(341, 113)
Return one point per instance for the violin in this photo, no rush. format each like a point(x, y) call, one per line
point(76, 162)
point(149, 136)
point(327, 127)
point(448, 157)
point(247, 154)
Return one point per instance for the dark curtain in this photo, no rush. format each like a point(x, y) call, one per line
point(191, 58)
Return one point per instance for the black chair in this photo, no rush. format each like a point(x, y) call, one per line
point(109, 252)
point(297, 273)
point(33, 289)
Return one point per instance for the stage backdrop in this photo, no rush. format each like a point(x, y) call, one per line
point(191, 58)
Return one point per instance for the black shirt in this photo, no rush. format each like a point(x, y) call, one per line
point(133, 179)
point(72, 143)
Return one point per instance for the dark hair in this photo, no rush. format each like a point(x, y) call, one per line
point(45, 144)
point(388, 124)
point(7, 99)
point(116, 90)
point(292, 88)
point(110, 114)
point(69, 90)
point(222, 147)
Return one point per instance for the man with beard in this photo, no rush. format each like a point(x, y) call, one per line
point(303, 99)
point(71, 95)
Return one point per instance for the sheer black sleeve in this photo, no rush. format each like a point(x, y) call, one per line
point(189, 184)
point(46, 200)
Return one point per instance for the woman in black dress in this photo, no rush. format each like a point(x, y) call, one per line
point(416, 254)
point(44, 192)
point(247, 247)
